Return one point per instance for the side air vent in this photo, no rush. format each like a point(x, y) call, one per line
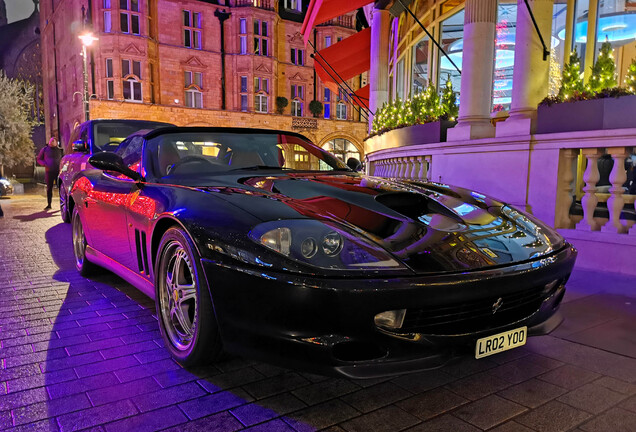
point(144, 253)
point(140, 264)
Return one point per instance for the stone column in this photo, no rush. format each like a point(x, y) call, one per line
point(480, 17)
point(530, 76)
point(379, 71)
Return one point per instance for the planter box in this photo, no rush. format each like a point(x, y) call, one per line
point(433, 132)
point(607, 113)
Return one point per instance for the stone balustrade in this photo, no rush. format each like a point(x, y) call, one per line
point(407, 167)
point(608, 208)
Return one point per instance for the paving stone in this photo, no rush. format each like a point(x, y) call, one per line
point(48, 409)
point(222, 422)
point(321, 416)
point(230, 380)
point(122, 391)
point(272, 426)
point(489, 412)
point(142, 371)
point(174, 377)
point(616, 385)
point(532, 393)
point(569, 377)
point(432, 403)
point(511, 426)
point(266, 409)
point(150, 421)
point(444, 423)
point(152, 355)
point(592, 398)
point(387, 419)
point(422, 381)
point(375, 397)
point(106, 366)
point(277, 384)
point(519, 370)
point(96, 416)
point(629, 404)
point(93, 346)
point(22, 398)
point(168, 396)
point(477, 386)
point(211, 404)
point(48, 425)
point(614, 420)
point(553, 417)
point(82, 385)
point(39, 380)
point(325, 390)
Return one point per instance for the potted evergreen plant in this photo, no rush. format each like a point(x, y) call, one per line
point(315, 107)
point(597, 105)
point(281, 103)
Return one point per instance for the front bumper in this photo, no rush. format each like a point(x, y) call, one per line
point(326, 325)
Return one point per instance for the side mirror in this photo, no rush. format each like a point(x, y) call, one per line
point(80, 146)
point(107, 161)
point(354, 164)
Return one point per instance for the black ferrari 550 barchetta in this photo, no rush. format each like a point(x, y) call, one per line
point(259, 243)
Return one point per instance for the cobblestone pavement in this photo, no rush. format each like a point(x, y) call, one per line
point(86, 354)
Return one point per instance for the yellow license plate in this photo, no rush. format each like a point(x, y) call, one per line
point(501, 342)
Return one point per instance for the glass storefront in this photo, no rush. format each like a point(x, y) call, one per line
point(452, 41)
point(505, 30)
point(420, 66)
point(342, 148)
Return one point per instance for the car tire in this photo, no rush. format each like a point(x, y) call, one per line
point(83, 266)
point(184, 308)
point(64, 213)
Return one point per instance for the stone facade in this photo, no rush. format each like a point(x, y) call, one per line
point(165, 63)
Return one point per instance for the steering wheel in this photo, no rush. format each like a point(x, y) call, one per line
point(189, 160)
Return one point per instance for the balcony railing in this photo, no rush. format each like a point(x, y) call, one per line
point(260, 4)
point(341, 21)
point(304, 123)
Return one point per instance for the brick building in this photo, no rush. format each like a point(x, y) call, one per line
point(194, 62)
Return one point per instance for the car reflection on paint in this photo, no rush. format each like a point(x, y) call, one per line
point(259, 243)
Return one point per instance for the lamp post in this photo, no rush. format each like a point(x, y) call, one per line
point(87, 40)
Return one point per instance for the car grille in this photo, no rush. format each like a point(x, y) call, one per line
point(475, 316)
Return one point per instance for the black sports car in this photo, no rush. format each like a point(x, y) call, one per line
point(260, 243)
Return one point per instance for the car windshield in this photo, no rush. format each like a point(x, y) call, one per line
point(191, 154)
point(108, 135)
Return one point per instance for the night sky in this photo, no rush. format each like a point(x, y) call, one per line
point(18, 9)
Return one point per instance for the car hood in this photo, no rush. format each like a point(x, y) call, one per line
point(430, 227)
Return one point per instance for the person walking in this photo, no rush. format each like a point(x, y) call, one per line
point(49, 157)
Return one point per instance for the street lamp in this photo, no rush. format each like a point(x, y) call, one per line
point(87, 40)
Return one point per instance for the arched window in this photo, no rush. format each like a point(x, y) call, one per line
point(131, 73)
point(193, 89)
point(342, 148)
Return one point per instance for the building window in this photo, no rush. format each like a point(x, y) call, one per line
point(399, 80)
point(419, 75)
point(294, 5)
point(191, 29)
point(326, 101)
point(131, 74)
point(244, 93)
point(452, 40)
point(108, 17)
point(341, 111)
point(129, 16)
point(327, 41)
point(261, 94)
point(110, 84)
point(193, 82)
point(297, 96)
point(261, 38)
point(504, 57)
point(298, 56)
point(243, 35)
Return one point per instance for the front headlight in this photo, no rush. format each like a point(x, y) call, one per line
point(322, 245)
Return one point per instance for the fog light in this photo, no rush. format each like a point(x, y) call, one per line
point(392, 319)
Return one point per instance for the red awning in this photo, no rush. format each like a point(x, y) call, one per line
point(344, 60)
point(321, 11)
point(361, 96)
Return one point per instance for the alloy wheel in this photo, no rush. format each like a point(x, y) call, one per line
point(178, 296)
point(79, 241)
